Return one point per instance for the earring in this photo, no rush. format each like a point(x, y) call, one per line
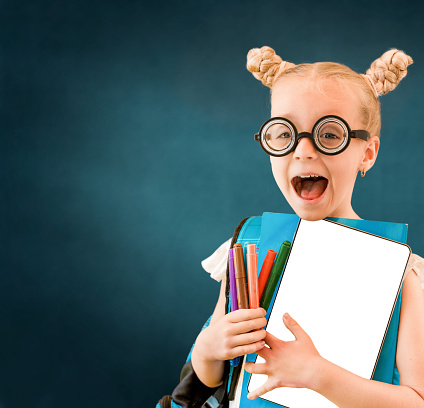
point(363, 173)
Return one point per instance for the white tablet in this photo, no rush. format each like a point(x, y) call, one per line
point(341, 285)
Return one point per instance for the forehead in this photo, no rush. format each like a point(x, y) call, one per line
point(304, 100)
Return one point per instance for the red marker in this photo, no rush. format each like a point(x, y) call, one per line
point(252, 276)
point(266, 270)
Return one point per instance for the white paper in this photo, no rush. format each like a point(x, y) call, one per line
point(340, 285)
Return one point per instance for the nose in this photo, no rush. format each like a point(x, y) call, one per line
point(305, 150)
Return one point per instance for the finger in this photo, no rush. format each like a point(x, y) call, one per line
point(249, 325)
point(294, 327)
point(247, 349)
point(256, 368)
point(246, 314)
point(267, 387)
point(248, 338)
point(271, 340)
point(264, 352)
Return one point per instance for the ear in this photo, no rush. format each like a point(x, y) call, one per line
point(370, 153)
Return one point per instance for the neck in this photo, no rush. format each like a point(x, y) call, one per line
point(348, 213)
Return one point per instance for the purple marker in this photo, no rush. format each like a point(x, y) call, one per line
point(233, 295)
point(233, 288)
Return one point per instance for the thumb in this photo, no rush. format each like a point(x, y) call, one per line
point(294, 327)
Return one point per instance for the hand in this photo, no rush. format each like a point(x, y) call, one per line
point(235, 334)
point(288, 363)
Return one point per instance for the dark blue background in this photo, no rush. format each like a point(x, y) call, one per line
point(127, 157)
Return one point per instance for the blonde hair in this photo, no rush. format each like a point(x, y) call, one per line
point(382, 77)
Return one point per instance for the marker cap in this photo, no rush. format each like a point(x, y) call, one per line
point(266, 270)
point(251, 249)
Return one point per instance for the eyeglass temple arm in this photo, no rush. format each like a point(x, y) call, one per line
point(360, 134)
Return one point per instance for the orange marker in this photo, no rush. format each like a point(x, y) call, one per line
point(252, 276)
point(243, 300)
point(266, 270)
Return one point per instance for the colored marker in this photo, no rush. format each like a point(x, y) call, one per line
point(233, 287)
point(275, 275)
point(265, 270)
point(252, 276)
point(242, 299)
point(233, 295)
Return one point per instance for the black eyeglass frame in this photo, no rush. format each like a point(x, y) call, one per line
point(349, 134)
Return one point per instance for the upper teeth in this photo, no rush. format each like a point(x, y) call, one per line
point(310, 175)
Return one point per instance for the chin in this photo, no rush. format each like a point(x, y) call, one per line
point(310, 215)
point(308, 211)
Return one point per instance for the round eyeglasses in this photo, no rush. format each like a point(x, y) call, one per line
point(330, 135)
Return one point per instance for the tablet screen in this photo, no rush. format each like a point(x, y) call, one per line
point(340, 284)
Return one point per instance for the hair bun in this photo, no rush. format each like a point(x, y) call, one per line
point(387, 71)
point(266, 65)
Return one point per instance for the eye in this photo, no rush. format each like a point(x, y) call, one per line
point(284, 135)
point(278, 136)
point(330, 140)
point(329, 136)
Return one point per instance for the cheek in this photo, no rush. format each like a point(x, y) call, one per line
point(349, 162)
point(344, 175)
point(279, 169)
point(358, 153)
point(276, 167)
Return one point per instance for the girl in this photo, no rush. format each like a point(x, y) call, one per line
point(318, 185)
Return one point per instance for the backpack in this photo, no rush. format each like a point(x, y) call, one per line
point(192, 393)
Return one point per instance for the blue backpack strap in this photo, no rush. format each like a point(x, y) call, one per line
point(386, 370)
point(250, 232)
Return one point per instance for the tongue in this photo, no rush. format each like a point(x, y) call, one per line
point(312, 189)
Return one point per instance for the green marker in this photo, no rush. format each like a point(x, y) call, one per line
point(275, 274)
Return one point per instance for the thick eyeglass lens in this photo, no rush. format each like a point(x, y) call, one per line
point(278, 136)
point(331, 134)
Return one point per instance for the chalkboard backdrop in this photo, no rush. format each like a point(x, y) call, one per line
point(127, 157)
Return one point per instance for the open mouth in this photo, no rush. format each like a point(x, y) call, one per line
point(309, 187)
